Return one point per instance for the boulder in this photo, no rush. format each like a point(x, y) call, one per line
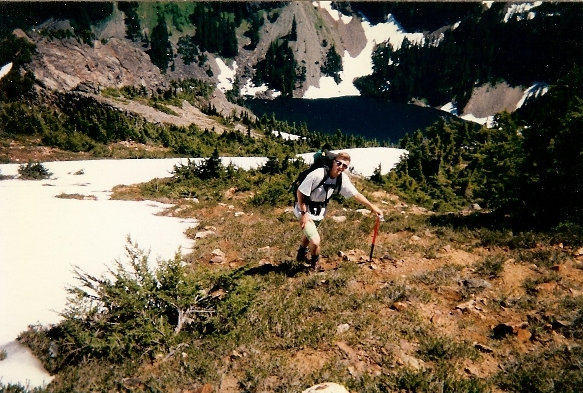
point(217, 256)
point(203, 234)
point(326, 387)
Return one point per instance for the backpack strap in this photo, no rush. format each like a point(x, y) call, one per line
point(316, 207)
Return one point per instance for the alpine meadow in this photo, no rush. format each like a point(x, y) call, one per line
point(470, 113)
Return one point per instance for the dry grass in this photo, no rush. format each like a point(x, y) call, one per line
point(419, 317)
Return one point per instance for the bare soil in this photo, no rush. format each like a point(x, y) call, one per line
point(456, 309)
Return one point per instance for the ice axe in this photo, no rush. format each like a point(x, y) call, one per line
point(374, 236)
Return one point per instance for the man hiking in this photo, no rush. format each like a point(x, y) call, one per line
point(313, 195)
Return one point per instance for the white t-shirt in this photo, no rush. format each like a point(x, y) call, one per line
point(309, 187)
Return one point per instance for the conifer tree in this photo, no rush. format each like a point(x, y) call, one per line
point(160, 51)
point(293, 35)
point(332, 65)
point(132, 20)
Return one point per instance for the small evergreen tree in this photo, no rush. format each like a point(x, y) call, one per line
point(278, 69)
point(332, 65)
point(160, 51)
point(293, 35)
point(132, 20)
point(132, 314)
point(211, 167)
point(33, 171)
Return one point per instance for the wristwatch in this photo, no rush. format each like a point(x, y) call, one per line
point(303, 212)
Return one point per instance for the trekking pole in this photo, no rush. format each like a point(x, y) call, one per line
point(374, 236)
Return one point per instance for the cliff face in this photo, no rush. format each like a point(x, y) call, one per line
point(115, 61)
point(112, 60)
point(317, 31)
point(65, 64)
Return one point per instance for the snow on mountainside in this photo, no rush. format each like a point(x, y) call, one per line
point(520, 11)
point(114, 61)
point(5, 70)
point(360, 65)
point(485, 100)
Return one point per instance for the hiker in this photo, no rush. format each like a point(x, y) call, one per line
point(313, 195)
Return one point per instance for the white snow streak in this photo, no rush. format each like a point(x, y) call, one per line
point(5, 70)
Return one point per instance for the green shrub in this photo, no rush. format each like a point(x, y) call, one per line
point(445, 275)
point(33, 171)
point(445, 348)
point(554, 371)
point(10, 388)
point(530, 284)
point(137, 312)
point(491, 266)
point(542, 257)
point(272, 192)
point(442, 379)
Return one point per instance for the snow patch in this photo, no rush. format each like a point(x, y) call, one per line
point(536, 90)
point(361, 65)
point(227, 75)
point(518, 10)
point(251, 90)
point(5, 70)
point(450, 107)
point(487, 121)
point(287, 136)
point(22, 367)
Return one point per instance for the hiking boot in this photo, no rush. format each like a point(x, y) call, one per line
point(302, 255)
point(315, 263)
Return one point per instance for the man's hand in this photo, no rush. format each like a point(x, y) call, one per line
point(377, 211)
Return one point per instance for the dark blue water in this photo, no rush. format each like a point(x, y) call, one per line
point(384, 121)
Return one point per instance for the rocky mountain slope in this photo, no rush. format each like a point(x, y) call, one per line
point(112, 60)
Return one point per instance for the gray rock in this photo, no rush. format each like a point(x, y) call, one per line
point(326, 387)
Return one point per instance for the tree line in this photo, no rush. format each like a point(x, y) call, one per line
point(479, 50)
point(529, 166)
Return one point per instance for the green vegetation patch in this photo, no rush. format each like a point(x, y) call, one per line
point(33, 171)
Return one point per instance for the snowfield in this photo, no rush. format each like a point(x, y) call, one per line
point(42, 237)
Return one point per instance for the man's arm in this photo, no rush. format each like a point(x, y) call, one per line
point(363, 201)
point(303, 208)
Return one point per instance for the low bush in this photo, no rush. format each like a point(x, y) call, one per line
point(435, 348)
point(542, 257)
point(443, 379)
point(135, 313)
point(491, 266)
point(557, 370)
point(33, 171)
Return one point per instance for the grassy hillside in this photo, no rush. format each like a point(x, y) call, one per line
point(447, 303)
point(476, 283)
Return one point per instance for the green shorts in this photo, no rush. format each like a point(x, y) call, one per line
point(311, 229)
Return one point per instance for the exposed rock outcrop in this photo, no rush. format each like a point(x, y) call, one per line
point(64, 64)
point(487, 100)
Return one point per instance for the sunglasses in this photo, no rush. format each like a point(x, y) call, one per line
point(340, 164)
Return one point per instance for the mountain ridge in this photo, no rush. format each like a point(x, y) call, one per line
point(114, 61)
